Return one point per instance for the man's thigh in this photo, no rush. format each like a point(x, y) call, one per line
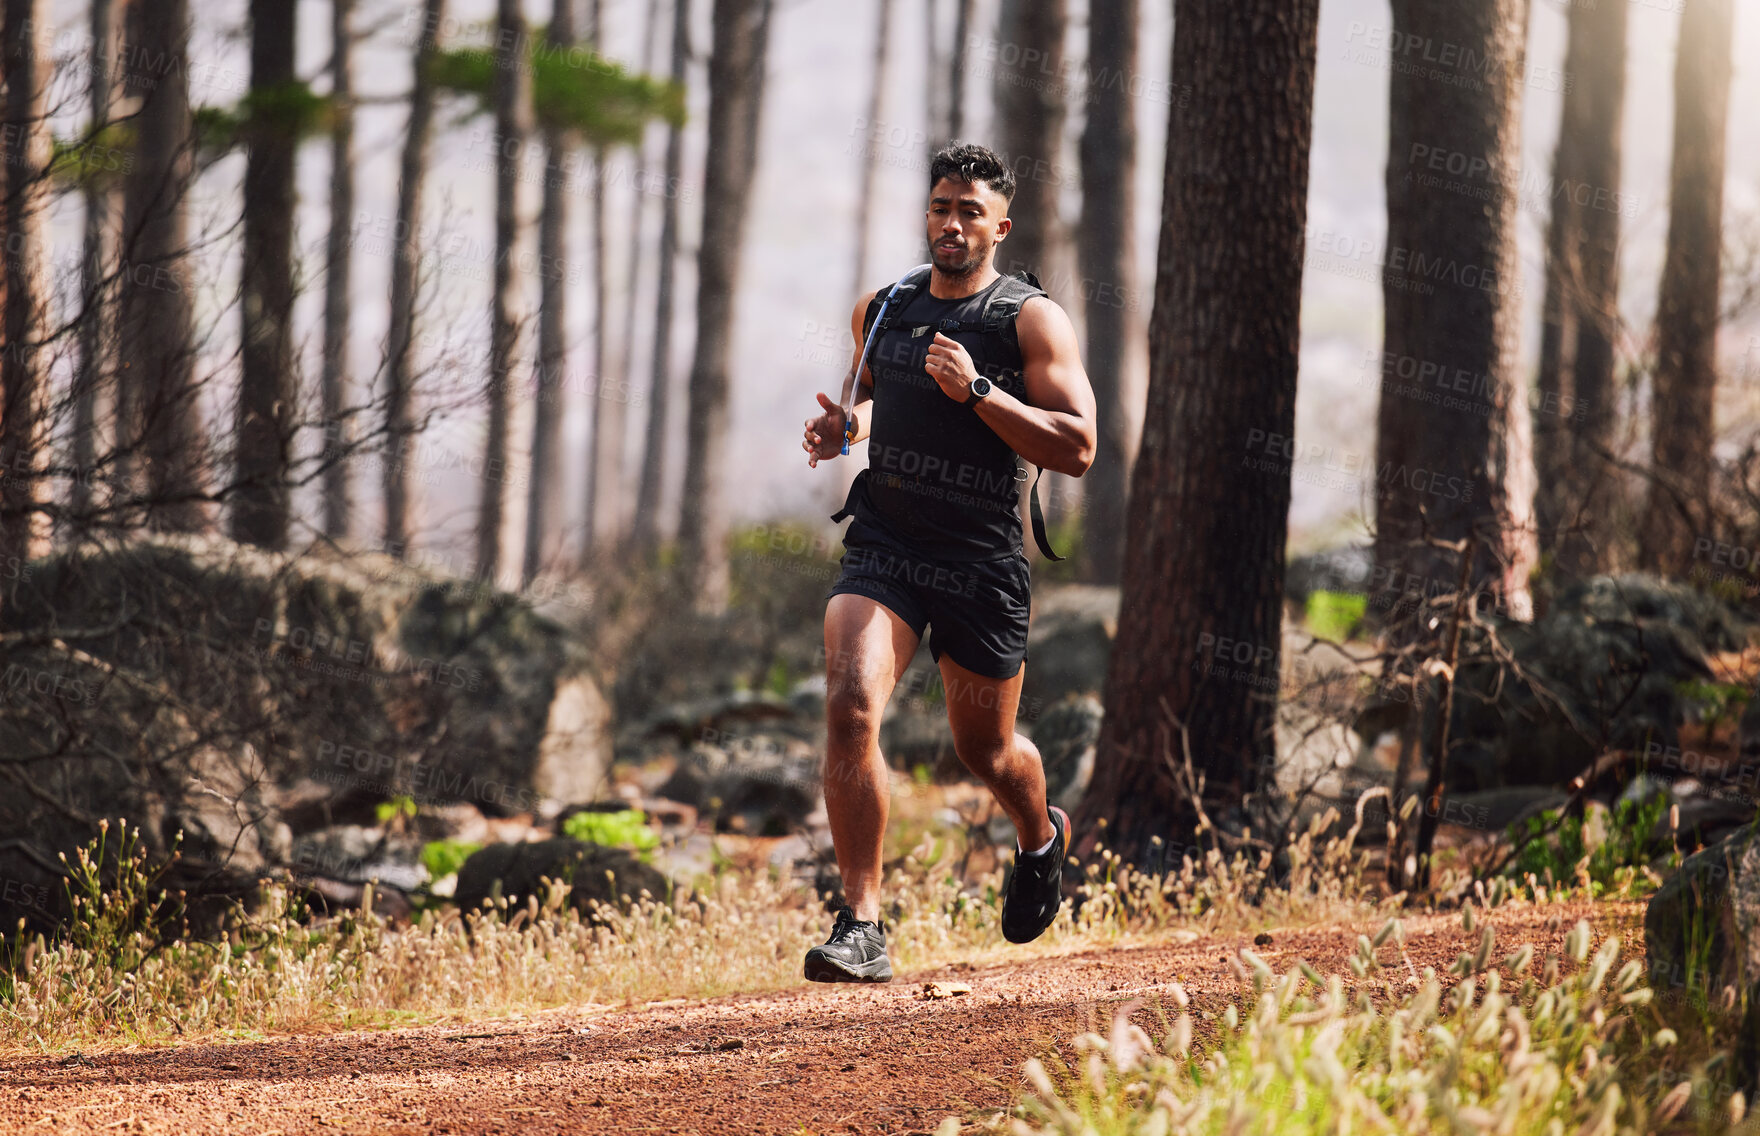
point(980, 710)
point(867, 648)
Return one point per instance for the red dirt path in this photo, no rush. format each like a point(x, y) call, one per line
point(817, 1059)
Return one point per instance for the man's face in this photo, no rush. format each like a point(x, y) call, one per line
point(966, 220)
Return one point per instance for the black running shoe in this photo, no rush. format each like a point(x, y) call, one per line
point(1033, 893)
point(855, 952)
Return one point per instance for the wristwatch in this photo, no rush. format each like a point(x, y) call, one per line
point(980, 387)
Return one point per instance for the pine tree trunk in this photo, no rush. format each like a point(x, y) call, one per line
point(543, 502)
point(871, 151)
point(156, 374)
point(956, 70)
point(406, 265)
point(1029, 98)
point(1107, 252)
point(263, 428)
point(1204, 554)
point(24, 380)
point(638, 208)
point(604, 444)
point(653, 482)
point(1573, 415)
point(740, 28)
point(512, 118)
point(603, 419)
point(334, 380)
point(1687, 308)
point(95, 355)
point(1447, 468)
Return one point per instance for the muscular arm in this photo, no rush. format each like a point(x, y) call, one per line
point(1057, 431)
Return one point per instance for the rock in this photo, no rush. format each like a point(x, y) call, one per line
point(761, 783)
point(515, 871)
point(914, 731)
point(1322, 764)
point(1609, 667)
point(1067, 736)
point(230, 681)
point(352, 853)
point(1345, 569)
point(807, 698)
point(1069, 645)
point(458, 821)
point(1494, 810)
point(1702, 933)
point(1706, 818)
point(707, 719)
point(685, 860)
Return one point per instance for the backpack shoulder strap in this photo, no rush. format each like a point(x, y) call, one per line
point(903, 298)
point(1004, 304)
point(1002, 307)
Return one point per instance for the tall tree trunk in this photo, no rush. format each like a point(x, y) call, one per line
point(543, 501)
point(1029, 131)
point(740, 29)
point(606, 425)
point(513, 98)
point(406, 265)
point(956, 71)
point(1686, 310)
point(95, 318)
point(871, 150)
point(266, 395)
point(1573, 415)
point(1223, 345)
point(637, 209)
point(334, 381)
point(1029, 121)
point(935, 94)
point(156, 377)
point(24, 379)
point(1447, 469)
point(1107, 251)
point(653, 482)
point(605, 445)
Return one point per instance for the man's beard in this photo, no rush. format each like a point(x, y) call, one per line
point(971, 259)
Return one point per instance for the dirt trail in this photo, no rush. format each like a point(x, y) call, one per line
point(819, 1059)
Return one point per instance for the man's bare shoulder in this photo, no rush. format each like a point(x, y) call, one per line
point(1043, 322)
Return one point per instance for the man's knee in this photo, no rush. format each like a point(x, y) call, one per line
point(852, 709)
point(983, 752)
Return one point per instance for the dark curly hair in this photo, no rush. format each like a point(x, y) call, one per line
point(972, 163)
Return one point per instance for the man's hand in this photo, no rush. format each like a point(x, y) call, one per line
point(951, 367)
point(824, 434)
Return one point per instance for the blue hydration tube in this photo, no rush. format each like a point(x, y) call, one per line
point(849, 381)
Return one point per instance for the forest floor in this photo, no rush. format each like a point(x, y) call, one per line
point(895, 1058)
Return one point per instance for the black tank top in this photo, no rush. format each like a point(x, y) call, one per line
point(939, 478)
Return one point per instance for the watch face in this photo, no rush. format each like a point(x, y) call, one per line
point(980, 386)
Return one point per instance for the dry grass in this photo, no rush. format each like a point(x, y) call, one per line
point(277, 969)
point(1500, 1052)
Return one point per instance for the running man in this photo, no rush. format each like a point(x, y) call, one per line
point(971, 374)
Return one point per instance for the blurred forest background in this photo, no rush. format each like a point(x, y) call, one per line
point(399, 423)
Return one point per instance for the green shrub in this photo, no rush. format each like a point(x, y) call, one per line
point(443, 858)
point(1335, 615)
point(625, 829)
point(1610, 859)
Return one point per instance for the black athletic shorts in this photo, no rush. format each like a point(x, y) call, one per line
point(976, 612)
